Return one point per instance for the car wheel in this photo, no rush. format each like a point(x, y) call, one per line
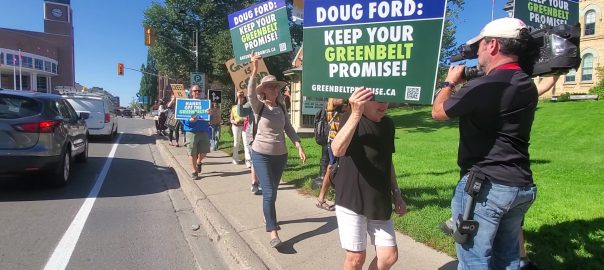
point(61, 175)
point(83, 157)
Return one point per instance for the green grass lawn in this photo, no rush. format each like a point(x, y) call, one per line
point(565, 226)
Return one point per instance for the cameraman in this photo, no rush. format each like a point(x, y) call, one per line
point(495, 113)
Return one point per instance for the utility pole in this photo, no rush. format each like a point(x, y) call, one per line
point(196, 51)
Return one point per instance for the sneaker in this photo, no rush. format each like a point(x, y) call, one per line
point(199, 167)
point(194, 176)
point(248, 163)
point(235, 161)
point(254, 188)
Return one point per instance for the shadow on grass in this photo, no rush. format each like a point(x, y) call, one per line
point(577, 244)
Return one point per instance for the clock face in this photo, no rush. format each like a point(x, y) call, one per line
point(57, 12)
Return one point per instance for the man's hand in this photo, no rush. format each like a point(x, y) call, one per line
point(358, 99)
point(400, 207)
point(455, 74)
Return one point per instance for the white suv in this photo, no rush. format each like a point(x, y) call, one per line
point(102, 120)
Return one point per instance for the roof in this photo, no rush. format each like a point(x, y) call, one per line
point(30, 94)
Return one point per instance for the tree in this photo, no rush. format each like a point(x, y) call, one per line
point(148, 85)
point(449, 46)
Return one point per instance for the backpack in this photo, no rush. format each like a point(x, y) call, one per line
point(321, 127)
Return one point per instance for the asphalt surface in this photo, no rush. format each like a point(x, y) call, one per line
point(138, 219)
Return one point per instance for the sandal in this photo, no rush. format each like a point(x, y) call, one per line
point(325, 206)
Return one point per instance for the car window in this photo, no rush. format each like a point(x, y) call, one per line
point(72, 112)
point(63, 109)
point(13, 107)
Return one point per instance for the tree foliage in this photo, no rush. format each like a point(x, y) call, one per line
point(148, 85)
point(448, 44)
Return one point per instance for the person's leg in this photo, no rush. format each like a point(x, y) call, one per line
point(325, 185)
point(383, 238)
point(194, 154)
point(506, 255)
point(246, 150)
point(352, 229)
point(170, 136)
point(236, 139)
point(176, 135)
point(263, 170)
point(476, 252)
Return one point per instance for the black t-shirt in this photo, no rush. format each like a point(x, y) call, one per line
point(362, 181)
point(496, 114)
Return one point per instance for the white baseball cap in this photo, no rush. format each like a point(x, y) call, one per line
point(502, 28)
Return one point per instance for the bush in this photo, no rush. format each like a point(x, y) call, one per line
point(564, 97)
point(597, 90)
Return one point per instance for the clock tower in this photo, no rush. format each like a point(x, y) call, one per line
point(58, 26)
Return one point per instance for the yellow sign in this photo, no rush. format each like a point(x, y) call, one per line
point(178, 90)
point(240, 74)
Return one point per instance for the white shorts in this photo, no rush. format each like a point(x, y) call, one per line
point(353, 229)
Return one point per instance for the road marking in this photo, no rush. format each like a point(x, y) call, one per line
point(62, 253)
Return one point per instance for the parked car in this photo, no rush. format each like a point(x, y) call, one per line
point(102, 120)
point(40, 133)
point(127, 113)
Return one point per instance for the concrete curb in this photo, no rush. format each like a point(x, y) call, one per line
point(236, 253)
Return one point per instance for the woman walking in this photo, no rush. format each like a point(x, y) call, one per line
point(269, 152)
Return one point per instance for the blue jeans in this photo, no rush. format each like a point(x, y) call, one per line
point(214, 137)
point(499, 210)
point(268, 170)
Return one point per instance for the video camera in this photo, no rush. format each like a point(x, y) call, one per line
point(550, 51)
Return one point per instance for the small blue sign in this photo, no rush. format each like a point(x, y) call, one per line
point(186, 107)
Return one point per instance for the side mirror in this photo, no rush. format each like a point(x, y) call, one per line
point(84, 115)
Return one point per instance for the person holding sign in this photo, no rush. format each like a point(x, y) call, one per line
point(215, 121)
point(269, 152)
point(496, 114)
point(365, 182)
point(237, 128)
point(197, 135)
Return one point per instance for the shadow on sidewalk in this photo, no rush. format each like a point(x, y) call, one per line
point(288, 246)
point(222, 174)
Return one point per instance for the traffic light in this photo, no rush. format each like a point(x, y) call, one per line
point(120, 69)
point(149, 36)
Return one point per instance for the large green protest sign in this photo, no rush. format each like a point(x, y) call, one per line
point(391, 47)
point(262, 28)
point(540, 13)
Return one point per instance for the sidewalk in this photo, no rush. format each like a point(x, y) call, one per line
point(232, 215)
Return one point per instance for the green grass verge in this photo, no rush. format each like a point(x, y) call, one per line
point(565, 226)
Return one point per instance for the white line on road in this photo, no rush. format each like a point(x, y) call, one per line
point(62, 253)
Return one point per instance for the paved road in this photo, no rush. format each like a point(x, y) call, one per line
point(138, 219)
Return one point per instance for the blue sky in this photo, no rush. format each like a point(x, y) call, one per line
point(111, 31)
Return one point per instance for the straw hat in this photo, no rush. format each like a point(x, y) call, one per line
point(269, 82)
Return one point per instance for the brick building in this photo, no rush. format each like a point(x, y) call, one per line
point(40, 61)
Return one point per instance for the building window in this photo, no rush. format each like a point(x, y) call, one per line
point(588, 67)
point(39, 64)
point(42, 86)
point(54, 68)
point(570, 76)
point(47, 66)
point(590, 22)
point(1, 58)
point(12, 59)
point(28, 62)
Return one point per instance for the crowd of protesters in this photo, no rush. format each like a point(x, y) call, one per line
point(495, 114)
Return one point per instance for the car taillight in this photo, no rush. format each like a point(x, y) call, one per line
point(41, 127)
point(107, 118)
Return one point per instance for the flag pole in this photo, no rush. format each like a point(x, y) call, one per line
point(14, 72)
point(20, 76)
point(493, 10)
